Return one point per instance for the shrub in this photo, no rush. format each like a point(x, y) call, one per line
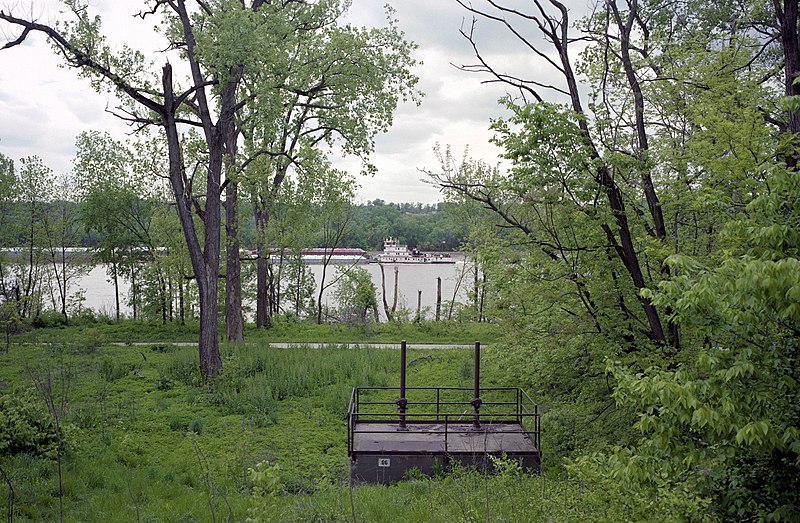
point(163, 383)
point(49, 319)
point(196, 426)
point(26, 428)
point(111, 370)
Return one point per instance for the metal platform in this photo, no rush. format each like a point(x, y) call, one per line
point(423, 435)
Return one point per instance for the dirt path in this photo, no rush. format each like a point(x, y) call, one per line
point(315, 345)
point(291, 344)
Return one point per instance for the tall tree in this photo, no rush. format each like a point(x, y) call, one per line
point(337, 86)
point(81, 43)
point(8, 221)
point(61, 228)
point(552, 22)
point(224, 44)
point(724, 427)
point(603, 156)
point(115, 204)
point(34, 180)
point(335, 207)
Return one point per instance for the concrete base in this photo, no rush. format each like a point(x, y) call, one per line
point(390, 468)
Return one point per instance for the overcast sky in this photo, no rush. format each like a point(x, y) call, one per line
point(44, 107)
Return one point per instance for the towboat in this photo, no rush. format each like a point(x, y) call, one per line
point(394, 252)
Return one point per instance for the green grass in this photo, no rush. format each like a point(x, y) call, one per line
point(146, 441)
point(128, 331)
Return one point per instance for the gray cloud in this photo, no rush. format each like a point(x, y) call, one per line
point(45, 107)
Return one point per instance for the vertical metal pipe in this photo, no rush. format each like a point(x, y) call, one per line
point(477, 369)
point(476, 400)
point(446, 424)
point(402, 401)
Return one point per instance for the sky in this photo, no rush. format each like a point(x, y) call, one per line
point(43, 106)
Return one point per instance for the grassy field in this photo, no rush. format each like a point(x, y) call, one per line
point(143, 440)
point(135, 331)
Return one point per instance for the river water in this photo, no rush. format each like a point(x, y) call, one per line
point(411, 278)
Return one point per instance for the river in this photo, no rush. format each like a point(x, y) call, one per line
point(412, 278)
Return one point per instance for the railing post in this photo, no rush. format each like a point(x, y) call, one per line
point(438, 399)
point(476, 400)
point(446, 423)
point(402, 402)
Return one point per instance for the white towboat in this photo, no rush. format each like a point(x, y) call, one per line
point(394, 252)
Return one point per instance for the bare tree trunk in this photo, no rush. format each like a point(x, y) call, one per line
point(394, 299)
point(325, 261)
point(262, 305)
point(457, 286)
point(297, 292)
point(790, 43)
point(62, 284)
point(272, 294)
point(116, 281)
point(481, 316)
point(476, 290)
point(134, 294)
point(205, 259)
point(262, 293)
point(375, 313)
point(234, 323)
point(208, 347)
point(438, 298)
point(170, 299)
point(29, 282)
point(659, 229)
point(181, 302)
point(162, 288)
point(383, 295)
point(419, 307)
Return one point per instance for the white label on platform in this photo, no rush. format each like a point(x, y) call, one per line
point(384, 462)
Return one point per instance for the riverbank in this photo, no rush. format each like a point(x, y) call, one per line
point(130, 331)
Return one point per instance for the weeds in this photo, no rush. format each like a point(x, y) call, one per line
point(161, 446)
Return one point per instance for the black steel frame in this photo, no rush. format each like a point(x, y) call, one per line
point(525, 413)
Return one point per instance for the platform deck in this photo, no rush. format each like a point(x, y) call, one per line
point(441, 438)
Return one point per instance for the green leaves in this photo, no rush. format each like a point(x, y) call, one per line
point(25, 427)
point(547, 148)
point(734, 405)
point(355, 293)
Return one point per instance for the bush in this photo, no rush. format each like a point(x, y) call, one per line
point(111, 370)
point(196, 426)
point(49, 319)
point(26, 428)
point(183, 368)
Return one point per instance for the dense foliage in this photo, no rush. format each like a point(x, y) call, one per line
point(654, 217)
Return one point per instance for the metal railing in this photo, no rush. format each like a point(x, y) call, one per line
point(428, 407)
